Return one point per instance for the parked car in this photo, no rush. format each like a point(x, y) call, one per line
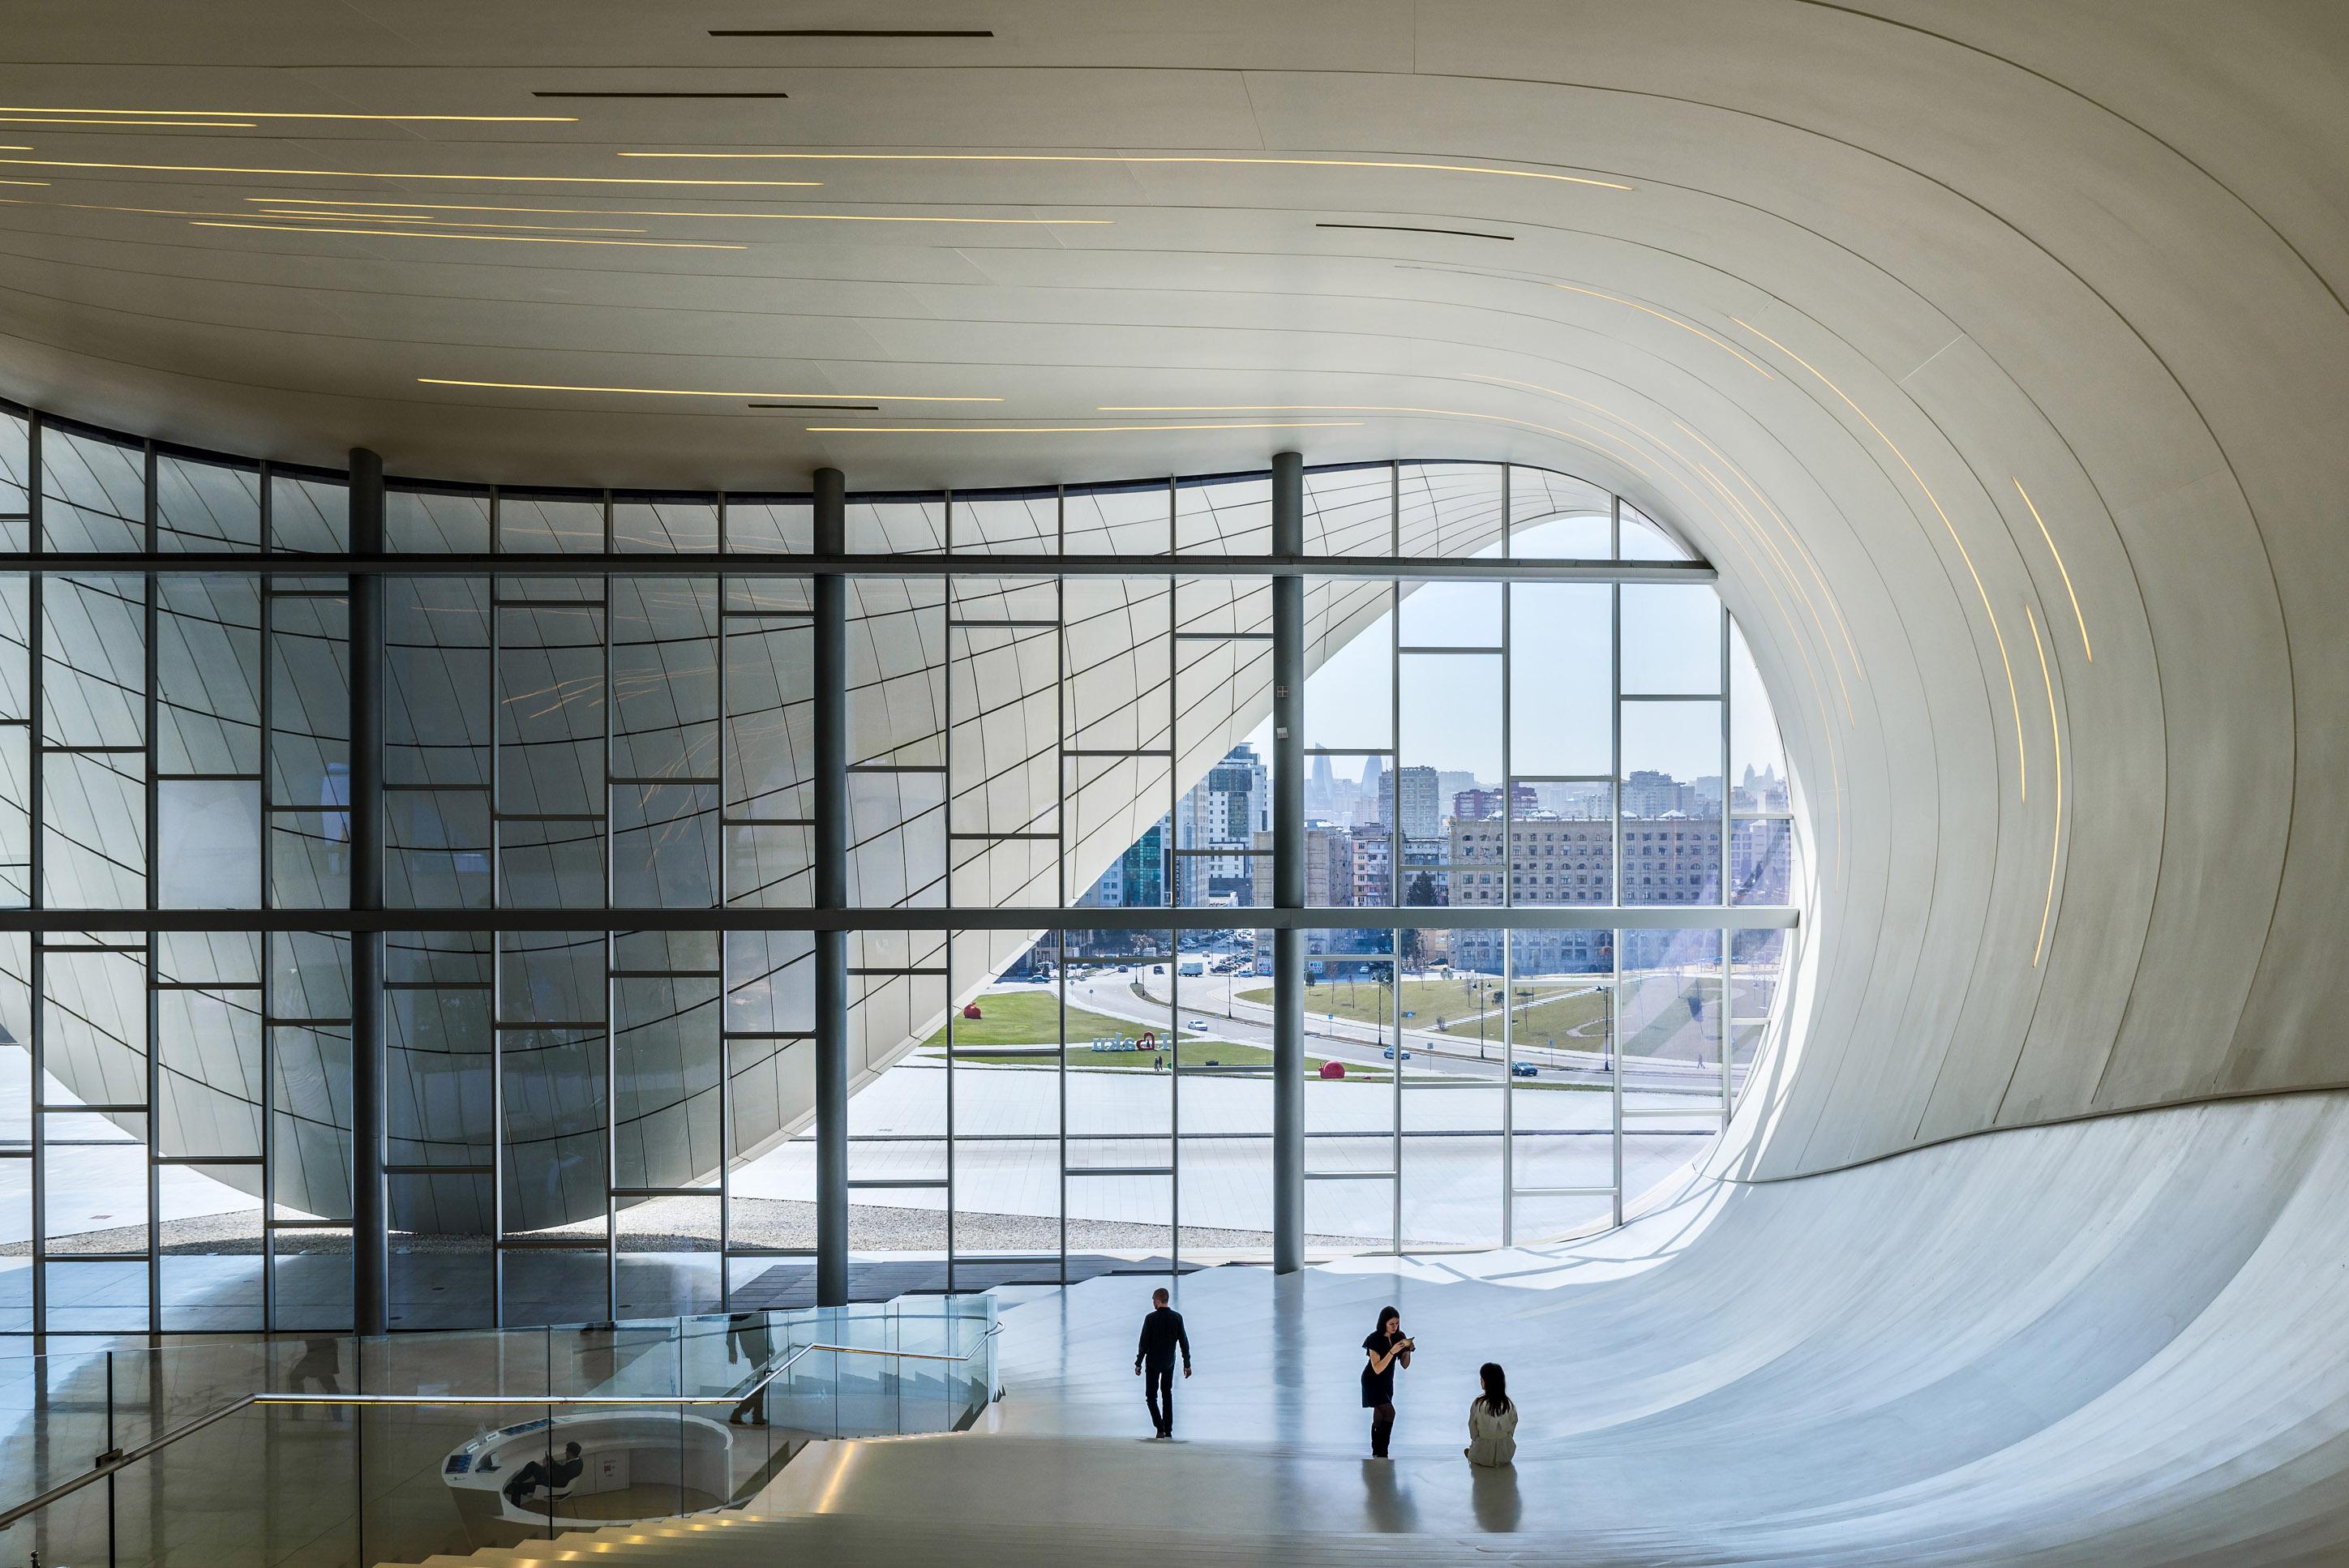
point(1524, 1069)
point(1390, 1055)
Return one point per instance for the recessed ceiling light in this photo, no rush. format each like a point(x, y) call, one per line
point(378, 174)
point(821, 408)
point(692, 392)
point(1146, 158)
point(1416, 228)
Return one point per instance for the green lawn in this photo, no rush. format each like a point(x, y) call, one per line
point(1554, 1008)
point(1197, 1052)
point(1033, 1019)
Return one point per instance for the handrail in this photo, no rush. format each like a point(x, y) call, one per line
point(114, 1463)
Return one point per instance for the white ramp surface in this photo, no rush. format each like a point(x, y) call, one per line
point(2113, 1341)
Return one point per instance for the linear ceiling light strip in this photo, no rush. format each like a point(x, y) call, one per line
point(443, 222)
point(293, 114)
point(379, 174)
point(1068, 429)
point(690, 392)
point(665, 213)
point(2055, 854)
point(177, 124)
point(1145, 157)
point(2060, 567)
point(444, 234)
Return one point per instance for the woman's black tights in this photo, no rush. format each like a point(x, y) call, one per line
point(1382, 1418)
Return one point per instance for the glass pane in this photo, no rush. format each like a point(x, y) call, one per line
point(1451, 510)
point(664, 526)
point(310, 515)
point(552, 523)
point(781, 525)
point(1224, 514)
point(1644, 540)
point(913, 524)
point(1671, 638)
point(1671, 811)
point(1556, 517)
point(1349, 511)
point(93, 493)
point(1758, 761)
point(1451, 741)
point(1451, 614)
point(1672, 1034)
point(1561, 676)
point(206, 506)
point(210, 857)
point(436, 522)
point(1119, 520)
point(1349, 693)
point(665, 1256)
point(208, 674)
point(1762, 860)
point(1014, 521)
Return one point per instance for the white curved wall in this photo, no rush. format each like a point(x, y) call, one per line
point(1874, 266)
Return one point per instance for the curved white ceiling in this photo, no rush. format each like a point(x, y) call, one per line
point(1972, 340)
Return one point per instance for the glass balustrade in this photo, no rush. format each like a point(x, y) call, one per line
point(333, 1450)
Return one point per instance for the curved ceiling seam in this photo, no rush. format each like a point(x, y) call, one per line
point(1793, 583)
point(2161, 705)
point(1988, 899)
point(2023, 770)
point(2103, 108)
point(1794, 580)
point(1850, 646)
point(2250, 512)
point(1904, 507)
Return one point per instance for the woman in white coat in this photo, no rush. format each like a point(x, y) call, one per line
point(1492, 1421)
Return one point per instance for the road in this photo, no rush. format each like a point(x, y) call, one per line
point(1111, 991)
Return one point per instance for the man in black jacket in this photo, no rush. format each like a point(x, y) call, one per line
point(1162, 1331)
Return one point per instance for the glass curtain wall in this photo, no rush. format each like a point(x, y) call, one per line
point(594, 1117)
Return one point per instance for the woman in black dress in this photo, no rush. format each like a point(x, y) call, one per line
point(1386, 1348)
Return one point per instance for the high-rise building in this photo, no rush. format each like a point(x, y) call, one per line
point(1419, 816)
point(1329, 867)
point(1478, 805)
point(1216, 824)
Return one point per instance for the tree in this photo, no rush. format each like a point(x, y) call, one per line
point(1420, 895)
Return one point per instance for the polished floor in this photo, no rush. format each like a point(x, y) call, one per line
point(2113, 1342)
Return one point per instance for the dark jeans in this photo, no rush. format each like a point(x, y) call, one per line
point(1158, 1385)
point(1382, 1428)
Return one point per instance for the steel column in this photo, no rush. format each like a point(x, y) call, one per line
point(370, 1211)
point(1288, 867)
point(830, 893)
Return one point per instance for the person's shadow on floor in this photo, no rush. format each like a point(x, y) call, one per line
point(1493, 1497)
point(1386, 1506)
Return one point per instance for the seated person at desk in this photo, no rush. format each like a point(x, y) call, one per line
point(554, 1476)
